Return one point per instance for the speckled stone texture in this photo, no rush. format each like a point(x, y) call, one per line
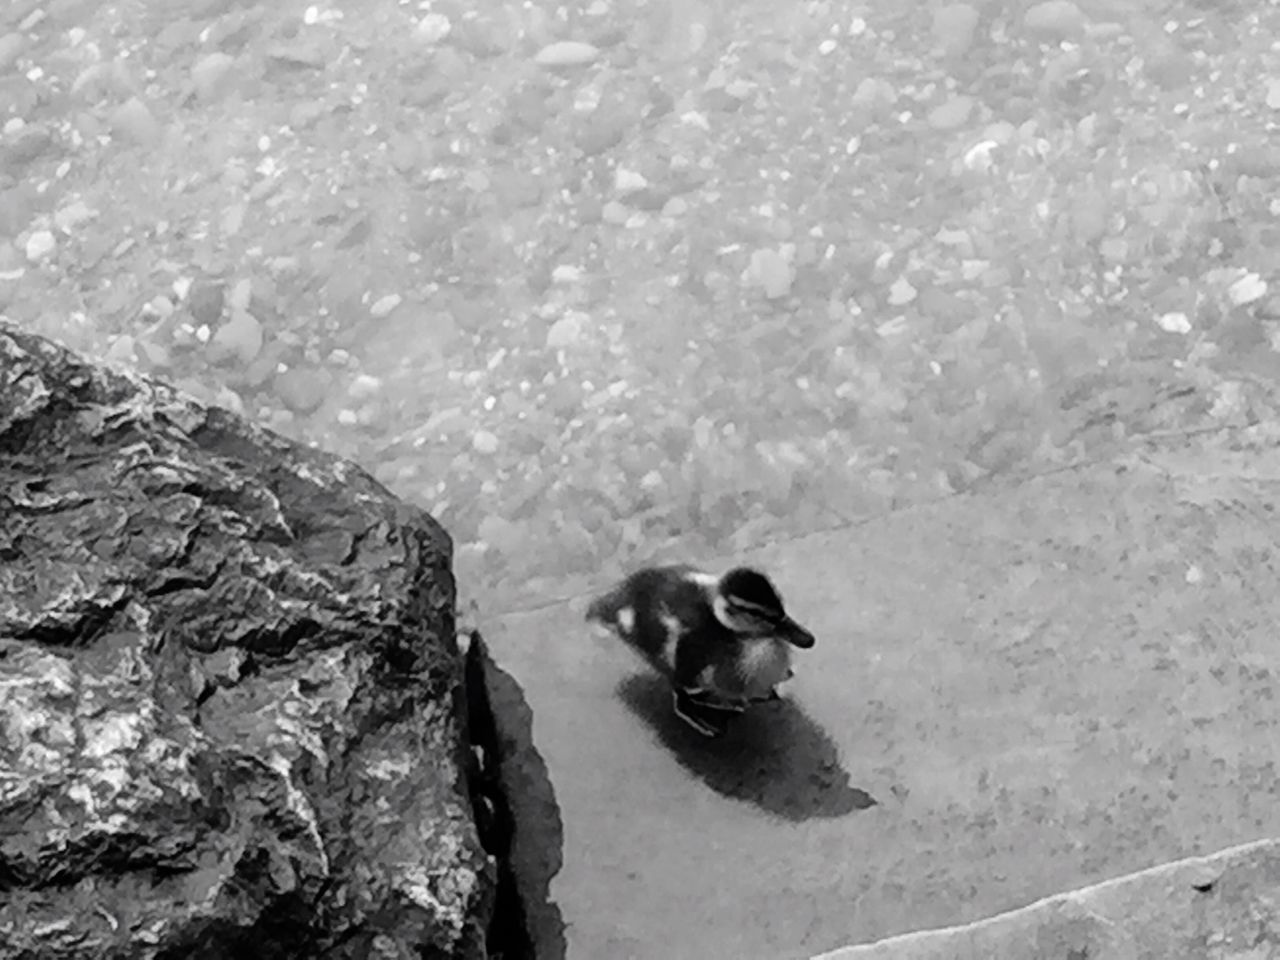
point(232, 713)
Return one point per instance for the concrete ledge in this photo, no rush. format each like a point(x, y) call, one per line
point(1225, 906)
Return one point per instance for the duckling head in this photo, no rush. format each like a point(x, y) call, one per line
point(747, 603)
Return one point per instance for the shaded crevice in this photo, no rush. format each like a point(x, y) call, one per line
point(516, 813)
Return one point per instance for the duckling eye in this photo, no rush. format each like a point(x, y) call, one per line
point(751, 620)
point(750, 611)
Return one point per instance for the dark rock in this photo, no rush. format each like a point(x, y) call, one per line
point(11, 47)
point(717, 98)
point(303, 389)
point(483, 38)
point(652, 197)
point(32, 144)
point(233, 31)
point(207, 298)
point(605, 35)
point(660, 103)
point(1054, 20)
point(589, 209)
point(21, 95)
point(1252, 160)
point(17, 205)
point(502, 134)
point(176, 35)
point(257, 374)
point(528, 108)
point(356, 232)
point(601, 133)
point(234, 719)
point(299, 55)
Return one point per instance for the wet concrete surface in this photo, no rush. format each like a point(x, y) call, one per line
point(1013, 693)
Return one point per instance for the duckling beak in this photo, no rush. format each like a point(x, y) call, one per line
point(795, 634)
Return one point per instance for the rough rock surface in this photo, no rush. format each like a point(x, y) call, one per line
point(1221, 906)
point(232, 710)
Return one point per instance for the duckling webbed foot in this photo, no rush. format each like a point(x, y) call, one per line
point(703, 712)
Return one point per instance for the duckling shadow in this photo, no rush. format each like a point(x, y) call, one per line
point(774, 756)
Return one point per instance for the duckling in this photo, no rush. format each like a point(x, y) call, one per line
point(723, 642)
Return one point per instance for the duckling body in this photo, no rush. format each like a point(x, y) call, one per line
point(723, 642)
point(752, 672)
